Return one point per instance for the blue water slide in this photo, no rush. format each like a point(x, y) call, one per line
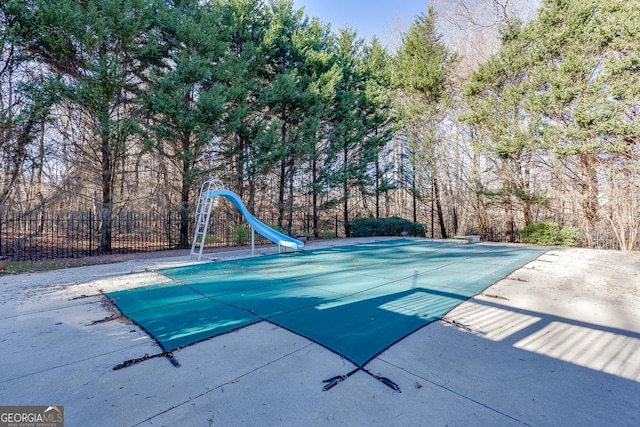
point(260, 227)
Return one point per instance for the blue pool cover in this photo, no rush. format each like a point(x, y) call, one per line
point(354, 300)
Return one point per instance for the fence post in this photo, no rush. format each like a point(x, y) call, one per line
point(169, 229)
point(90, 232)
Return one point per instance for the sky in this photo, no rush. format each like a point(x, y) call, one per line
point(368, 17)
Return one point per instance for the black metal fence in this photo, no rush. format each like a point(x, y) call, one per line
point(39, 235)
point(42, 235)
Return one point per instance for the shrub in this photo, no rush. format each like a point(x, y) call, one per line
point(327, 233)
point(211, 239)
point(548, 233)
point(569, 236)
point(278, 228)
point(367, 227)
point(241, 235)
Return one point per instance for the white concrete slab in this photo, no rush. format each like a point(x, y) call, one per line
point(555, 343)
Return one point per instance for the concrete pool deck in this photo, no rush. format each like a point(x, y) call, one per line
point(557, 342)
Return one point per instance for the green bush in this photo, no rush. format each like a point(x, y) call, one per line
point(278, 228)
point(241, 235)
point(394, 226)
point(327, 233)
point(211, 239)
point(569, 236)
point(548, 233)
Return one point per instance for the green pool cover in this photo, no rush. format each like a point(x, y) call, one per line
point(354, 300)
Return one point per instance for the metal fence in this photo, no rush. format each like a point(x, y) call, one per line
point(42, 235)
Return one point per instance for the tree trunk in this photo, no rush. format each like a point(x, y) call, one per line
point(436, 194)
point(525, 187)
point(291, 198)
point(377, 186)
point(345, 191)
point(240, 167)
point(107, 195)
point(251, 183)
point(314, 199)
point(589, 195)
point(187, 165)
point(184, 215)
point(414, 196)
point(281, 190)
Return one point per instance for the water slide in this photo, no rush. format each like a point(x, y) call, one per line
point(260, 227)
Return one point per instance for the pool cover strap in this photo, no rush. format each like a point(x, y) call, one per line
point(167, 354)
point(333, 381)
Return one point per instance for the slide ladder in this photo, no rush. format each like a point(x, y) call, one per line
point(203, 215)
point(214, 188)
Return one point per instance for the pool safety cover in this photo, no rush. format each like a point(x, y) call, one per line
point(354, 300)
